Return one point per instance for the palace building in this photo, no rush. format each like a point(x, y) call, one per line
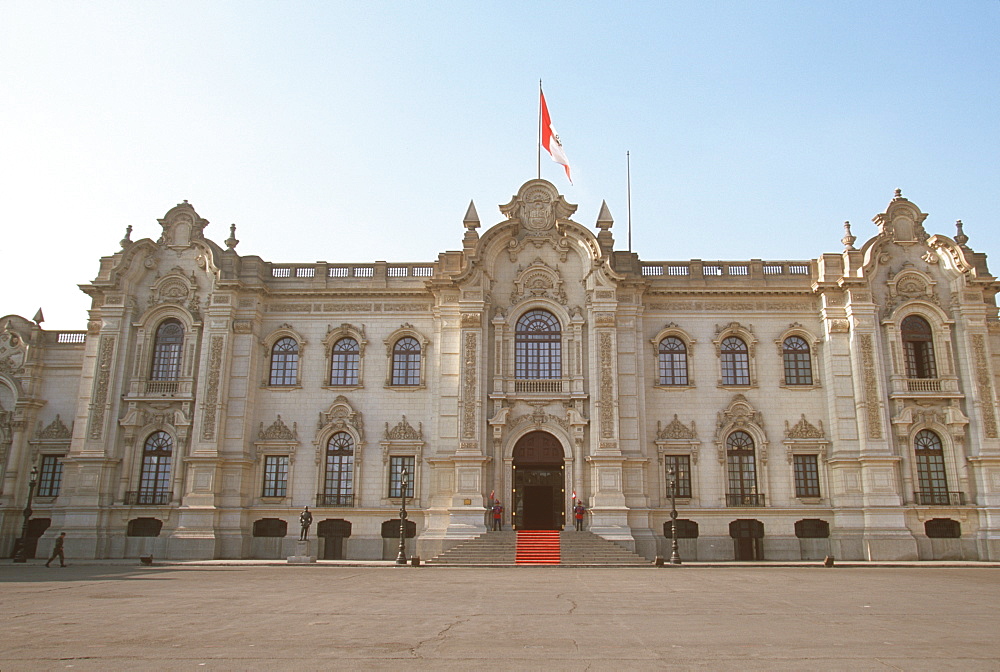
point(844, 405)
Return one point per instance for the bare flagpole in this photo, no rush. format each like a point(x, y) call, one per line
point(539, 153)
point(628, 182)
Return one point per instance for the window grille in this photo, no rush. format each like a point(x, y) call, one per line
point(806, 476)
point(275, 476)
point(406, 362)
point(167, 350)
point(50, 477)
point(735, 362)
point(345, 362)
point(285, 362)
point(798, 361)
point(673, 361)
point(396, 465)
point(538, 346)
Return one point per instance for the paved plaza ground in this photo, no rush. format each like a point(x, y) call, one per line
point(245, 617)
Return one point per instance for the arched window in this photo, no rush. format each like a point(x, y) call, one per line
point(538, 346)
point(742, 470)
point(167, 351)
point(285, 362)
point(344, 362)
point(735, 362)
point(154, 477)
point(338, 488)
point(673, 360)
point(918, 347)
point(798, 362)
point(932, 482)
point(406, 361)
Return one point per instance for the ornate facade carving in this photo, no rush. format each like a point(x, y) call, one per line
point(872, 408)
point(212, 390)
point(404, 431)
point(341, 416)
point(55, 430)
point(278, 431)
point(984, 381)
point(804, 429)
point(99, 396)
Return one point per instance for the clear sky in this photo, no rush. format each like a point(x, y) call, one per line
point(336, 131)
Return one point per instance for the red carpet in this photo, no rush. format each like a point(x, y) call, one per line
point(537, 547)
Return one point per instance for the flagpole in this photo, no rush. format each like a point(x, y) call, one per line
point(628, 182)
point(539, 147)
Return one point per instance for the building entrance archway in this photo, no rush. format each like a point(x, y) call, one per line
point(539, 483)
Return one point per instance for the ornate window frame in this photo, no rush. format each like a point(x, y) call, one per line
point(402, 440)
point(805, 438)
point(403, 331)
point(333, 336)
point(744, 333)
point(942, 334)
point(949, 456)
point(814, 342)
point(677, 439)
point(51, 441)
point(279, 440)
point(340, 417)
point(673, 330)
point(740, 415)
point(267, 346)
point(145, 339)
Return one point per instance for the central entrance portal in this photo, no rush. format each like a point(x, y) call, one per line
point(539, 495)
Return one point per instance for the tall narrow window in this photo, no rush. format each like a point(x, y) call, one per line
point(154, 478)
point(681, 464)
point(735, 362)
point(344, 362)
point(167, 351)
point(275, 475)
point(742, 470)
point(396, 465)
point(51, 477)
point(285, 362)
point(931, 478)
point(918, 347)
point(538, 346)
point(406, 362)
point(338, 489)
point(798, 363)
point(806, 476)
point(673, 361)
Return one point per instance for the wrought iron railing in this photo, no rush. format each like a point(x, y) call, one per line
point(939, 497)
point(744, 500)
point(334, 500)
point(147, 497)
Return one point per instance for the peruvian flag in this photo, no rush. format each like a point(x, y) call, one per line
point(550, 139)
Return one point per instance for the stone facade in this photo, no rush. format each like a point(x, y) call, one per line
point(844, 405)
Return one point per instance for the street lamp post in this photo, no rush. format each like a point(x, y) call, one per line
point(675, 558)
point(401, 556)
point(22, 555)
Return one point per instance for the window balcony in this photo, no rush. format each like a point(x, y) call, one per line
point(924, 387)
point(744, 500)
point(157, 389)
point(939, 498)
point(334, 500)
point(140, 497)
point(538, 386)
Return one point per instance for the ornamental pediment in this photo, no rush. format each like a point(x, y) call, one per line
point(675, 431)
point(278, 431)
point(341, 416)
point(404, 431)
point(538, 280)
point(804, 429)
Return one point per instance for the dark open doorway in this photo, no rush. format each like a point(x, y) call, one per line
point(539, 483)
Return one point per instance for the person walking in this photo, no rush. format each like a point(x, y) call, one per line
point(58, 551)
point(497, 516)
point(578, 512)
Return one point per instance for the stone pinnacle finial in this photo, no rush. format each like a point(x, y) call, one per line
point(898, 195)
point(471, 220)
point(960, 236)
point(38, 318)
point(231, 242)
point(604, 219)
point(127, 240)
point(848, 239)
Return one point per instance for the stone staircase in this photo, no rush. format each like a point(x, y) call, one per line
point(577, 548)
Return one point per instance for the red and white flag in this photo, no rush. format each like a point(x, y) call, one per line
point(550, 139)
point(492, 492)
point(574, 495)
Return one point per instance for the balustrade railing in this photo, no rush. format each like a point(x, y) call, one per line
point(546, 386)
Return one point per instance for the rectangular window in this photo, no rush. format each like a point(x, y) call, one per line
point(396, 465)
point(681, 464)
point(51, 476)
point(806, 476)
point(275, 475)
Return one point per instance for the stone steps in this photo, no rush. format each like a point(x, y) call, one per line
point(576, 548)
